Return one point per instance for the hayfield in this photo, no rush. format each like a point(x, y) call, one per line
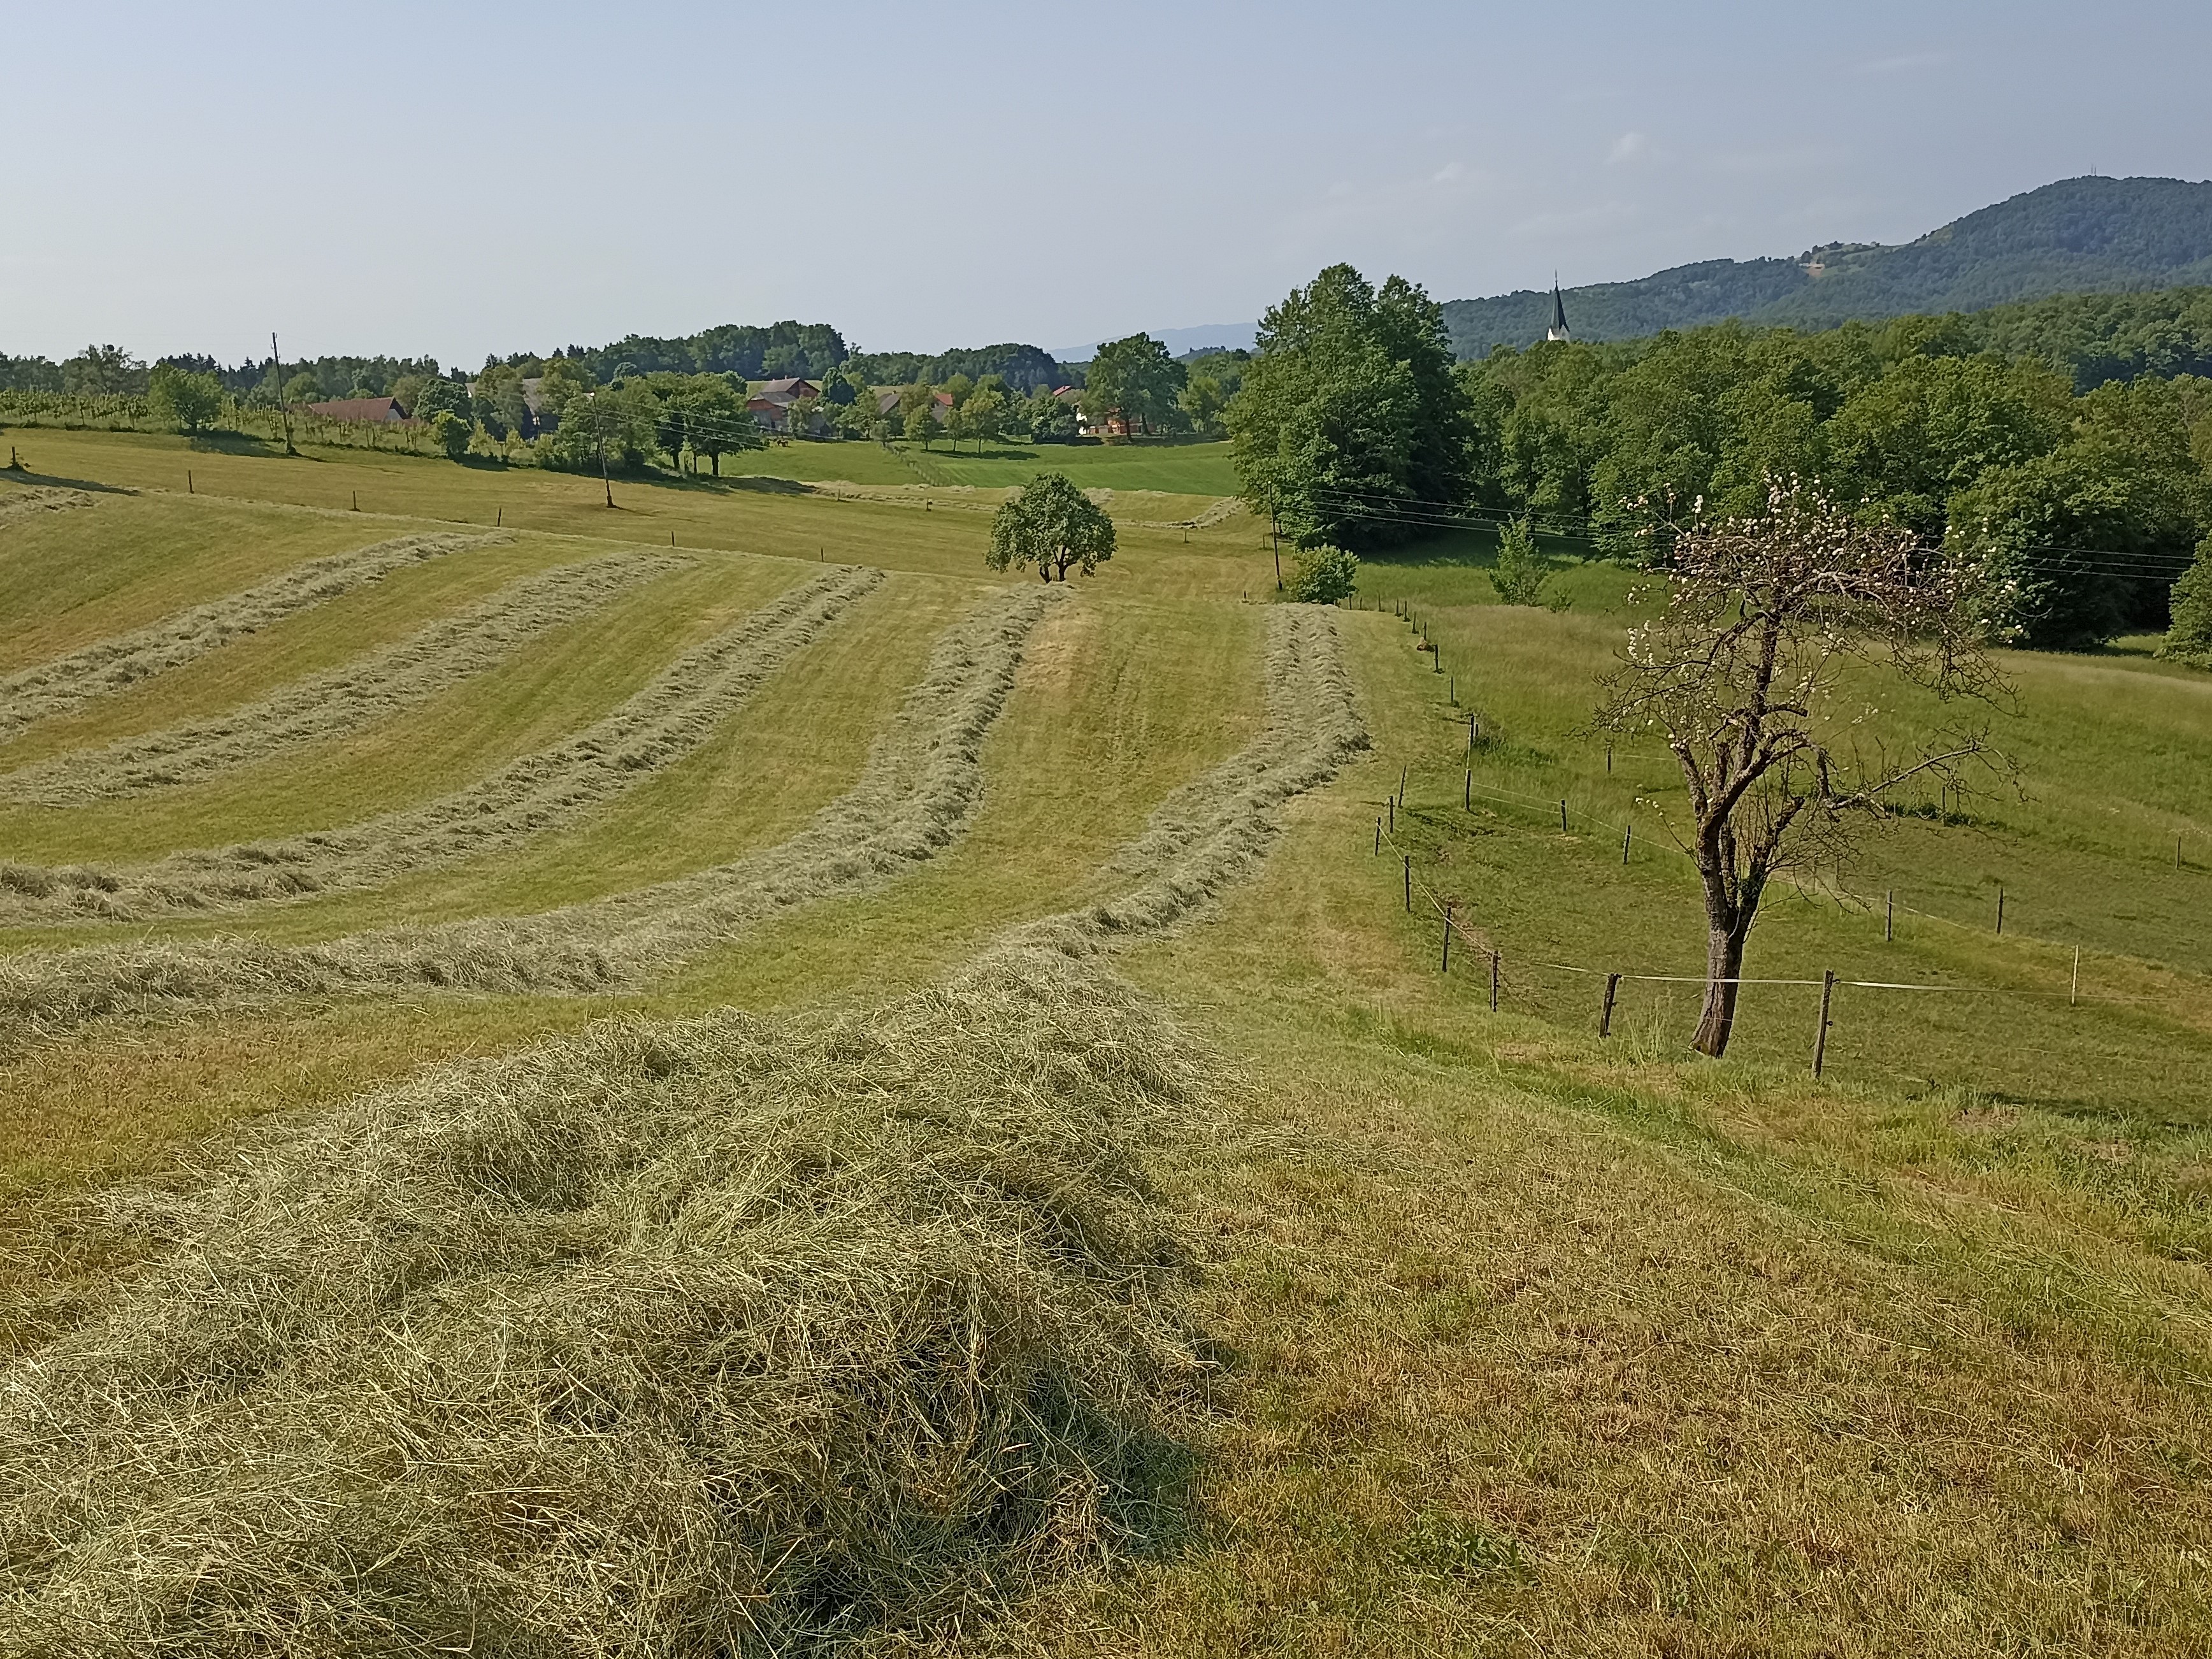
point(781, 1095)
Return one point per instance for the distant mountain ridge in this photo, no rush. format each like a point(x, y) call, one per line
point(2079, 235)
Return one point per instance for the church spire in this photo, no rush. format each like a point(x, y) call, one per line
point(1559, 330)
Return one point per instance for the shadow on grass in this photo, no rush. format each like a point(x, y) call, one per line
point(23, 475)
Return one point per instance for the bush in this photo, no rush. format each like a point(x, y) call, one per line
point(2190, 637)
point(178, 397)
point(1323, 575)
point(1521, 570)
point(452, 434)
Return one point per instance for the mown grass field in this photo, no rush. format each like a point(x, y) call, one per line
point(1508, 1338)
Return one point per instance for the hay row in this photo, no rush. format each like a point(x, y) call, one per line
point(354, 695)
point(917, 793)
point(669, 719)
point(704, 1337)
point(44, 498)
point(111, 665)
point(1215, 831)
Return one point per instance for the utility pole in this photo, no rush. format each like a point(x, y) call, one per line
point(276, 369)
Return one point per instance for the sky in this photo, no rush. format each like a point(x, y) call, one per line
point(465, 178)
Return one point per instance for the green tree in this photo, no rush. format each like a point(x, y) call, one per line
point(921, 423)
point(1134, 381)
point(103, 371)
point(303, 388)
point(1201, 401)
point(438, 394)
point(717, 419)
point(187, 401)
point(1931, 426)
point(1522, 571)
point(1349, 423)
point(2189, 637)
point(1323, 575)
point(1048, 419)
point(984, 416)
point(451, 434)
point(1052, 524)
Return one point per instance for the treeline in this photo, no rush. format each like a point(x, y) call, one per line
point(1022, 367)
point(2080, 509)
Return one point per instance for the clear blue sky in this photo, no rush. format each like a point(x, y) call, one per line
point(464, 179)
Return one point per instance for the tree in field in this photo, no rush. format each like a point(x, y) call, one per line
point(451, 432)
point(718, 420)
point(1350, 425)
point(921, 423)
point(1051, 525)
point(1521, 570)
point(1136, 382)
point(1740, 675)
point(189, 402)
point(984, 415)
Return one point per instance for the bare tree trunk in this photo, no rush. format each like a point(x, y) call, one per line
point(1723, 969)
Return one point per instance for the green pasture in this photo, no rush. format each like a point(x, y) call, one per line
point(1524, 1339)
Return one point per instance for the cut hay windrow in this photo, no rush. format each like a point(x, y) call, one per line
point(21, 504)
point(1216, 829)
point(354, 695)
point(709, 1337)
point(915, 797)
point(668, 719)
point(112, 665)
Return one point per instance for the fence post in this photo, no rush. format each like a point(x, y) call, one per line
point(1605, 1018)
point(2000, 910)
point(189, 490)
point(1493, 982)
point(2074, 991)
point(1409, 882)
point(1378, 835)
point(1626, 836)
point(1448, 910)
point(1393, 805)
point(1889, 915)
point(1608, 760)
point(1466, 794)
point(1401, 783)
point(1821, 1036)
point(1563, 818)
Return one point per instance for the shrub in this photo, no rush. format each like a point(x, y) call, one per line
point(178, 397)
point(1323, 575)
point(452, 434)
point(2190, 637)
point(1521, 569)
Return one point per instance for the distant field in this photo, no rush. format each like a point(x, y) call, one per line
point(1175, 468)
point(1085, 1052)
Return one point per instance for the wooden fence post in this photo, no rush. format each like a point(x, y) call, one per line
point(1493, 982)
point(1563, 818)
point(1466, 794)
point(1393, 804)
point(1409, 883)
point(2000, 911)
point(1821, 1036)
point(1378, 835)
point(1626, 836)
point(1605, 1018)
point(2074, 991)
point(1889, 915)
point(1448, 910)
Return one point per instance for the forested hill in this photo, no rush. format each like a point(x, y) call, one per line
point(2079, 235)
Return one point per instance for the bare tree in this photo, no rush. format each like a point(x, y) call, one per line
point(1742, 674)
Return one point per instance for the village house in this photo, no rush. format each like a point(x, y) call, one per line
point(380, 409)
point(771, 404)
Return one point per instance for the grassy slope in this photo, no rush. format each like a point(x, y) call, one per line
point(1528, 1340)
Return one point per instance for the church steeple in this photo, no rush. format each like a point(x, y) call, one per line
point(1559, 330)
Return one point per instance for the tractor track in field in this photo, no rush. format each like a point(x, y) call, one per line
point(112, 665)
point(916, 796)
point(345, 698)
point(667, 720)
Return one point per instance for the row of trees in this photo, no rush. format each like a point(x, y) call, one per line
point(1353, 428)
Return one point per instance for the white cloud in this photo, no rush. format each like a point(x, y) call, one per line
point(1628, 148)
